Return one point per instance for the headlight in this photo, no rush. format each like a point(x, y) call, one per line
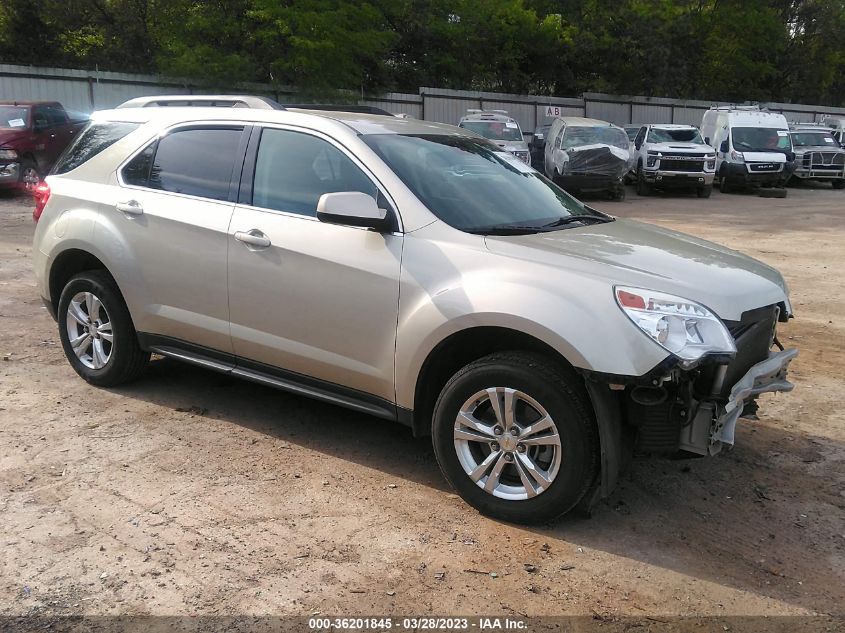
point(685, 328)
point(650, 160)
point(710, 163)
point(8, 154)
point(737, 156)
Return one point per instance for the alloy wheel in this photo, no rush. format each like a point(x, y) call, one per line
point(507, 443)
point(89, 330)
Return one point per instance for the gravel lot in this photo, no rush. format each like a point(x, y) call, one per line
point(188, 493)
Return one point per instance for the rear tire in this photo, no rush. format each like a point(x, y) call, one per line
point(96, 331)
point(515, 495)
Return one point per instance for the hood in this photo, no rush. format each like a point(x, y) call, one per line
point(636, 254)
point(819, 148)
point(513, 146)
point(680, 148)
point(764, 157)
point(10, 137)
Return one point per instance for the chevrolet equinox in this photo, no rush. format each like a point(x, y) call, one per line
point(409, 270)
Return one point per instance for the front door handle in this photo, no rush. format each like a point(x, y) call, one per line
point(132, 207)
point(253, 237)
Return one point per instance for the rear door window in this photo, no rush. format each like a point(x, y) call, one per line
point(93, 140)
point(196, 161)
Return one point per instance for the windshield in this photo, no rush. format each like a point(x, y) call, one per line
point(12, 117)
point(760, 139)
point(473, 185)
point(578, 136)
point(494, 130)
point(810, 139)
point(685, 135)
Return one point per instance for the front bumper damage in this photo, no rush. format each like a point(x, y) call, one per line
point(714, 426)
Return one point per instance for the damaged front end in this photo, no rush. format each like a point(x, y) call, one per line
point(697, 409)
point(592, 167)
point(689, 408)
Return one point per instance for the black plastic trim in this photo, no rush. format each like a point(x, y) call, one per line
point(273, 376)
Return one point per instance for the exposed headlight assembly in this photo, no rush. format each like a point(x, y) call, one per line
point(685, 328)
point(651, 159)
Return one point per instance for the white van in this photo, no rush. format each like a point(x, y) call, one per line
point(753, 146)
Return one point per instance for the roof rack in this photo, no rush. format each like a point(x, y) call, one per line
point(339, 107)
point(203, 101)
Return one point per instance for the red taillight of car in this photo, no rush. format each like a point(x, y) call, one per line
point(41, 194)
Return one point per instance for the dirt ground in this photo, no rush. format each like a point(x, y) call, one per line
point(189, 493)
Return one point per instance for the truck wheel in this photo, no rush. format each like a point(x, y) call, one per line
point(838, 184)
point(619, 193)
point(724, 185)
point(705, 191)
point(96, 331)
point(516, 436)
point(643, 188)
point(29, 176)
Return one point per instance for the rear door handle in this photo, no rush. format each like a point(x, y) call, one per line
point(253, 237)
point(132, 207)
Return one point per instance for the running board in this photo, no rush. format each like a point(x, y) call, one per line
point(270, 376)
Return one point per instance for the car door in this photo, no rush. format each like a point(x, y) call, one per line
point(172, 211)
point(308, 298)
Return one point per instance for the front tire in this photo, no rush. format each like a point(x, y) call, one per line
point(96, 331)
point(705, 191)
point(516, 436)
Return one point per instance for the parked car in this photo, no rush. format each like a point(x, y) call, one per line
point(818, 155)
point(32, 135)
point(588, 156)
point(671, 157)
point(537, 146)
point(753, 147)
point(412, 271)
point(497, 126)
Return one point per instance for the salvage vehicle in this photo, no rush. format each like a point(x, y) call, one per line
point(537, 146)
point(818, 155)
point(588, 156)
point(497, 126)
point(753, 147)
point(32, 135)
point(409, 270)
point(672, 157)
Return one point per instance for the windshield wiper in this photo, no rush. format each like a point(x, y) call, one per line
point(506, 229)
point(569, 219)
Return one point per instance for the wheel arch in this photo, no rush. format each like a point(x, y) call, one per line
point(68, 263)
point(462, 348)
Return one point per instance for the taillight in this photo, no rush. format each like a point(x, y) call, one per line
point(41, 193)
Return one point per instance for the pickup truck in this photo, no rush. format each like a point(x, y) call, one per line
point(32, 135)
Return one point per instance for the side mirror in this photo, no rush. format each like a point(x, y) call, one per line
point(724, 147)
point(638, 144)
point(39, 125)
point(790, 157)
point(351, 208)
point(707, 140)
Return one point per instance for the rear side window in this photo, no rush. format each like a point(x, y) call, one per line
point(93, 140)
point(196, 162)
point(292, 171)
point(137, 171)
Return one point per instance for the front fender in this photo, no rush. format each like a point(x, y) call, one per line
point(574, 314)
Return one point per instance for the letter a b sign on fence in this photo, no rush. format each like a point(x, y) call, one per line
point(553, 111)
